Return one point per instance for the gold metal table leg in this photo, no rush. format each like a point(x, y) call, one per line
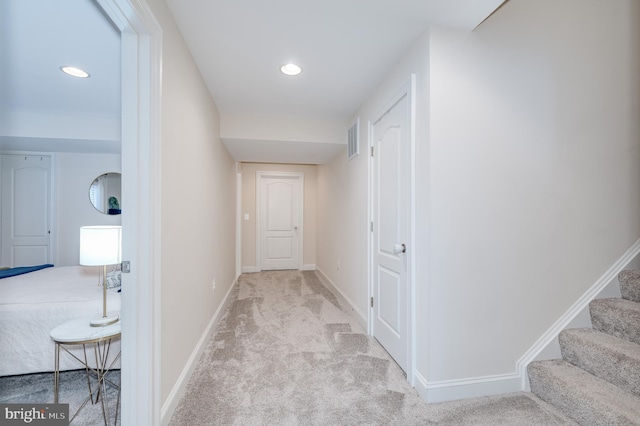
point(56, 373)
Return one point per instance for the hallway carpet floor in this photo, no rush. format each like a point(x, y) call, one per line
point(38, 389)
point(286, 352)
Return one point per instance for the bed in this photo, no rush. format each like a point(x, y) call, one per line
point(34, 303)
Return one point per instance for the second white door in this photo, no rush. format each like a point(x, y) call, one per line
point(391, 182)
point(26, 209)
point(279, 233)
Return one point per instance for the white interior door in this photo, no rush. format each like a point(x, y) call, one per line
point(391, 135)
point(279, 222)
point(26, 210)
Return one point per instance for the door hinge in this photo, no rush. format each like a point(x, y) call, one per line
point(372, 151)
point(372, 302)
point(125, 266)
point(371, 227)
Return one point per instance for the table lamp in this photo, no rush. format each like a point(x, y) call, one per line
point(101, 246)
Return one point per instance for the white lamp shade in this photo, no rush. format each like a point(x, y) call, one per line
point(100, 245)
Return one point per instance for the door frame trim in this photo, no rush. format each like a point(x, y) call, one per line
point(267, 174)
point(408, 88)
point(141, 55)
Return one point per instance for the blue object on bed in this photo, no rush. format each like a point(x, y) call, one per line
point(12, 272)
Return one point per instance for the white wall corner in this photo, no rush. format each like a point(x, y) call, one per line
point(178, 390)
point(238, 218)
point(308, 267)
point(249, 269)
point(548, 342)
point(359, 316)
point(421, 385)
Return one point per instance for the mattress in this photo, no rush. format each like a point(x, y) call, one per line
point(33, 304)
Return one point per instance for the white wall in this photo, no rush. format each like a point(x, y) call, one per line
point(279, 128)
point(28, 124)
point(342, 219)
point(528, 174)
point(343, 191)
point(198, 205)
point(73, 175)
point(534, 174)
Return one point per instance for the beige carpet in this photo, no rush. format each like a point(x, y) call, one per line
point(38, 389)
point(287, 353)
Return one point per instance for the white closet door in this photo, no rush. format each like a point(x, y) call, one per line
point(391, 165)
point(26, 206)
point(280, 220)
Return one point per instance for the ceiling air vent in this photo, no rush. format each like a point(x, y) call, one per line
point(352, 141)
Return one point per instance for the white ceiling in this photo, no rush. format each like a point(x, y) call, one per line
point(345, 47)
point(38, 37)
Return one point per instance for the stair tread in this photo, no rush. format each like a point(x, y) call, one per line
point(630, 284)
point(611, 358)
point(619, 317)
point(581, 395)
point(607, 340)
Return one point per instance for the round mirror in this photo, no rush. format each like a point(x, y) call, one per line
point(105, 193)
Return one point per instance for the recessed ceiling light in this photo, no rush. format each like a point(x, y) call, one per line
point(76, 72)
point(290, 69)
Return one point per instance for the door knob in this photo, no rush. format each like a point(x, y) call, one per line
point(399, 248)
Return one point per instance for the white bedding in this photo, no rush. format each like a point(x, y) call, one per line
point(33, 304)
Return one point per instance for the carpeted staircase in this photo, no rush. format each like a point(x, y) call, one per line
point(598, 380)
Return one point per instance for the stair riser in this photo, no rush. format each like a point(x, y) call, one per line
point(617, 320)
point(630, 285)
point(586, 403)
point(614, 366)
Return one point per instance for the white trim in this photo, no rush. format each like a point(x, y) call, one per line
point(407, 89)
point(238, 218)
point(249, 269)
point(259, 176)
point(451, 390)
point(360, 317)
point(141, 41)
point(411, 291)
point(353, 154)
point(308, 267)
point(179, 388)
point(552, 333)
point(369, 224)
point(421, 385)
point(53, 224)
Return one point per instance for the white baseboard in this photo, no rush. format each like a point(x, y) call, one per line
point(252, 269)
point(451, 390)
point(362, 319)
point(552, 333)
point(179, 388)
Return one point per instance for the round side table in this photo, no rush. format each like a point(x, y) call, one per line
point(80, 332)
